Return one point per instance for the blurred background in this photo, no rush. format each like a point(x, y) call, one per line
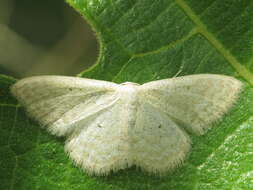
point(44, 37)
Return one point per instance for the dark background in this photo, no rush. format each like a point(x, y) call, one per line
point(44, 37)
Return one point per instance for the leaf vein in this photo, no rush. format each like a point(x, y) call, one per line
point(215, 42)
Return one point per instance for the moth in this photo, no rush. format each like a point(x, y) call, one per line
point(111, 126)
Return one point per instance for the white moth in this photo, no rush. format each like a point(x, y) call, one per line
point(112, 126)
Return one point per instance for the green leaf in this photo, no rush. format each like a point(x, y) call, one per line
point(140, 41)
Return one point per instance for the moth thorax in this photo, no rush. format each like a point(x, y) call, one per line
point(128, 93)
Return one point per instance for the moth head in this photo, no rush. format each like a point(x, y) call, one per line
point(130, 83)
